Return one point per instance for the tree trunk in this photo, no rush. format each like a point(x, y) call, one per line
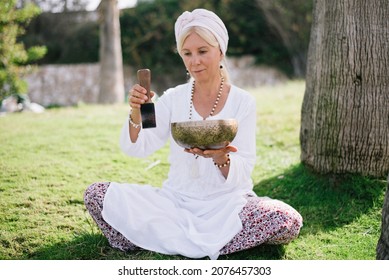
point(345, 111)
point(383, 242)
point(111, 61)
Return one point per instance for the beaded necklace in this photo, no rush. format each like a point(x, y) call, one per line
point(214, 105)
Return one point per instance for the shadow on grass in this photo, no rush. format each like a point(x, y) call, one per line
point(92, 246)
point(95, 247)
point(325, 202)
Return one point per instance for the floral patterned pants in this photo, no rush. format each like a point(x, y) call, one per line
point(264, 220)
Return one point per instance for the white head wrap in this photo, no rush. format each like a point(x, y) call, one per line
point(206, 19)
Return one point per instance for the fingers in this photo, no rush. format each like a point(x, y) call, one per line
point(196, 152)
point(220, 152)
point(212, 153)
point(138, 96)
point(231, 149)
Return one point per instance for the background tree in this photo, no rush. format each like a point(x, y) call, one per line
point(148, 41)
point(70, 33)
point(14, 58)
point(70, 38)
point(148, 36)
point(111, 62)
point(345, 111)
point(56, 6)
point(250, 32)
point(291, 20)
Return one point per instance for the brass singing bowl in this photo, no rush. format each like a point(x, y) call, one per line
point(206, 134)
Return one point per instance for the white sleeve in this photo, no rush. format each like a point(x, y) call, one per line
point(150, 139)
point(243, 161)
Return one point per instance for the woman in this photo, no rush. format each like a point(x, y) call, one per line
point(206, 207)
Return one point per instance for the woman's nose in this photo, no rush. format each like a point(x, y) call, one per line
point(195, 60)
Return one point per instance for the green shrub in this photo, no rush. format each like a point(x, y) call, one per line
point(13, 55)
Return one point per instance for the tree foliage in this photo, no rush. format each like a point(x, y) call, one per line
point(56, 6)
point(70, 37)
point(148, 38)
point(68, 40)
point(14, 57)
point(291, 20)
point(147, 34)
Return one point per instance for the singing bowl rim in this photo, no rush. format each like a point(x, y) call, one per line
point(205, 121)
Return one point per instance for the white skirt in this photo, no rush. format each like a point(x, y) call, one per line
point(163, 221)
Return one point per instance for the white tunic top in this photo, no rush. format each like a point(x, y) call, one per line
point(195, 213)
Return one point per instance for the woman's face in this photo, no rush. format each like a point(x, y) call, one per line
point(200, 58)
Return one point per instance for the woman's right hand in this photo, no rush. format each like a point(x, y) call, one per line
point(138, 96)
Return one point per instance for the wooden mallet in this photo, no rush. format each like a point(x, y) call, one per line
point(147, 109)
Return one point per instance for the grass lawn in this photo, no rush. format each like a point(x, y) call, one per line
point(47, 161)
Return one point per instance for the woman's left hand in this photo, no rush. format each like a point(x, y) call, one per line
point(216, 155)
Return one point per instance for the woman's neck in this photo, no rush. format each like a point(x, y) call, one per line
point(207, 89)
point(209, 98)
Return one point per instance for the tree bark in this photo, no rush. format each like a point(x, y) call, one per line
point(111, 61)
point(345, 111)
point(383, 242)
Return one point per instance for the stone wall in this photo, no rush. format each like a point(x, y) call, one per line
point(244, 73)
point(63, 85)
point(67, 85)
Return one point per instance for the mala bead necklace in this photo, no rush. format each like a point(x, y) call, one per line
point(214, 105)
point(211, 114)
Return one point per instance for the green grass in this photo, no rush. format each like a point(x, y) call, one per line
point(47, 161)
